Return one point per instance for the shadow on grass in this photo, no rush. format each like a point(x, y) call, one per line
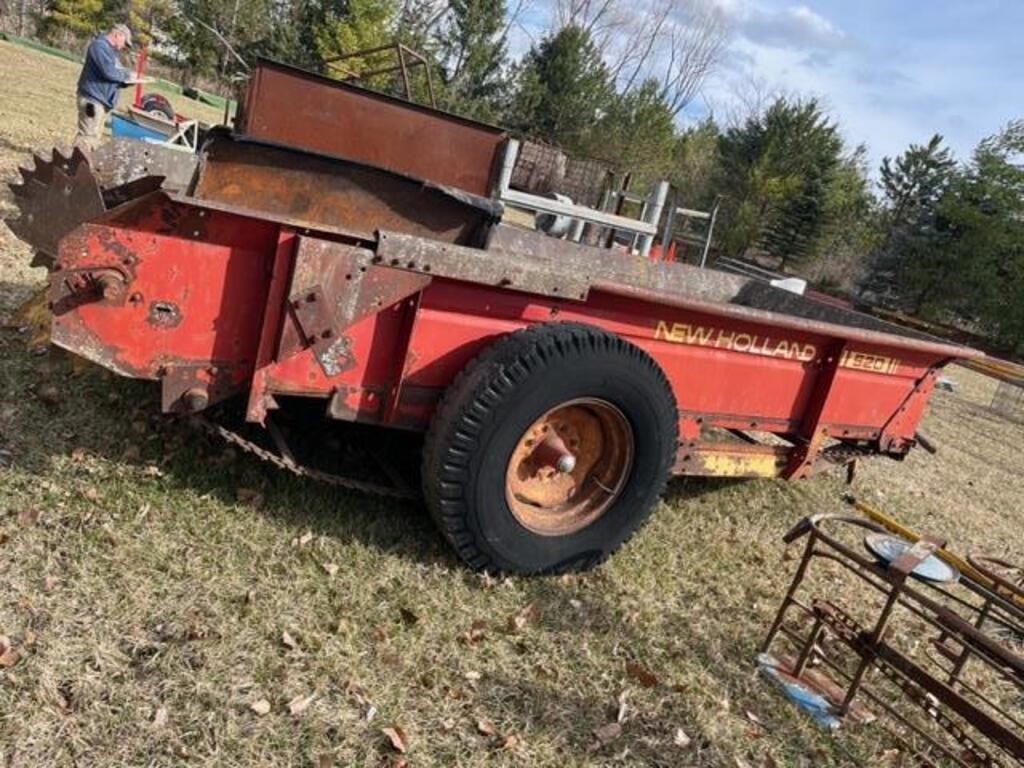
point(53, 412)
point(119, 420)
point(56, 408)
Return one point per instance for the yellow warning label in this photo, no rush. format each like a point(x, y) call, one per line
point(736, 341)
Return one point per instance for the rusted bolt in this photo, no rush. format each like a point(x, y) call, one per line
point(195, 399)
point(110, 285)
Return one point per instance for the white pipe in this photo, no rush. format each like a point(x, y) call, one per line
point(711, 231)
point(546, 205)
point(654, 216)
point(508, 164)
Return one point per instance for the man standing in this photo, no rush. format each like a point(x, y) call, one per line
point(102, 76)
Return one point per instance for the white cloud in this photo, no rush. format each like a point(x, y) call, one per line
point(796, 27)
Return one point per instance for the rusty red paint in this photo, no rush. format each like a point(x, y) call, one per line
point(311, 191)
point(399, 330)
point(346, 121)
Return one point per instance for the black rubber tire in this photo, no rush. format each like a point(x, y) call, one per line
point(492, 403)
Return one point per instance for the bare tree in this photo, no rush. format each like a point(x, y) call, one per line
point(695, 46)
point(679, 43)
point(604, 20)
point(748, 97)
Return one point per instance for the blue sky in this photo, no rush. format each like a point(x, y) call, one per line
point(890, 72)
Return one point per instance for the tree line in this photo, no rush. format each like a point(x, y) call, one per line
point(925, 233)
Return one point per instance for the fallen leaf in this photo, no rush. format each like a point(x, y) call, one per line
point(300, 704)
point(304, 539)
point(78, 455)
point(641, 674)
point(486, 727)
point(472, 676)
point(741, 763)
point(29, 639)
point(8, 655)
point(330, 568)
point(519, 621)
point(370, 714)
point(754, 718)
point(160, 718)
point(511, 742)
point(28, 517)
point(397, 738)
point(50, 583)
point(325, 761)
point(260, 707)
point(681, 739)
point(152, 470)
point(288, 640)
point(477, 631)
point(91, 494)
point(605, 735)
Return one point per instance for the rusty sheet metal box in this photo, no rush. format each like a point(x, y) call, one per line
point(290, 106)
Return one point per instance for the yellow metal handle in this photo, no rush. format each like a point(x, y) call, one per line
point(953, 559)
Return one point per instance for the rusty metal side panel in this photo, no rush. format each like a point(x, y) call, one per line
point(157, 290)
point(296, 108)
point(260, 401)
point(708, 291)
point(745, 375)
point(311, 191)
point(333, 287)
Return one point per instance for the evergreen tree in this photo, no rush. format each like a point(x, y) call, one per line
point(636, 134)
point(68, 20)
point(777, 168)
point(977, 276)
point(696, 165)
point(361, 25)
point(472, 49)
point(562, 89)
point(913, 186)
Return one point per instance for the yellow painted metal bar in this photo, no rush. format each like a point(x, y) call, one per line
point(949, 557)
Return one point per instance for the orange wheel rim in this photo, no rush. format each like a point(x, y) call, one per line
point(569, 467)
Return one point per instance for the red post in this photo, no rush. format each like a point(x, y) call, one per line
point(140, 70)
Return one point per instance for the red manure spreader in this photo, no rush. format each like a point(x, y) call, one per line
point(348, 248)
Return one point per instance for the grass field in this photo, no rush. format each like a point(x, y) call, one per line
point(171, 603)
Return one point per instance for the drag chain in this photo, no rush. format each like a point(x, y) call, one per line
point(288, 465)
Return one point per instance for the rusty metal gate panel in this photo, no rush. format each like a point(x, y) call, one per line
point(308, 190)
point(289, 106)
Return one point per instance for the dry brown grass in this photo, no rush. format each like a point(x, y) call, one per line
point(149, 605)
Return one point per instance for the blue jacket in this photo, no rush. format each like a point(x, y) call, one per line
point(102, 74)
